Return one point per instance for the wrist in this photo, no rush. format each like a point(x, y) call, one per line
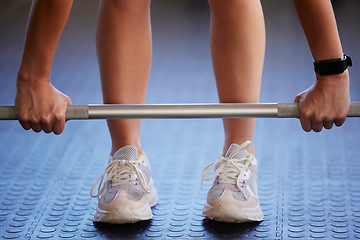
point(27, 76)
point(334, 81)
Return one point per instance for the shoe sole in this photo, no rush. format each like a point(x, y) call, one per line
point(123, 215)
point(229, 213)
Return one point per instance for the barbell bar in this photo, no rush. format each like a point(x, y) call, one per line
point(154, 111)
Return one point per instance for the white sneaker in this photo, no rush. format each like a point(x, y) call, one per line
point(233, 195)
point(128, 192)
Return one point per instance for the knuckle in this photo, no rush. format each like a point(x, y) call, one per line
point(23, 117)
point(46, 119)
point(59, 117)
point(341, 116)
point(329, 118)
point(318, 118)
point(306, 113)
point(68, 100)
point(33, 119)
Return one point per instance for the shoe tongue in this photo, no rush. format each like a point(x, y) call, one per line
point(126, 153)
point(241, 154)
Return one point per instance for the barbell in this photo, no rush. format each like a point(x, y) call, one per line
point(153, 111)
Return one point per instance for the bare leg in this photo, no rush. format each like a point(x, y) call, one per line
point(237, 33)
point(124, 48)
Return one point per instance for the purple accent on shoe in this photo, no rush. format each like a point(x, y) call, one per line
point(253, 169)
point(134, 184)
point(229, 186)
point(244, 184)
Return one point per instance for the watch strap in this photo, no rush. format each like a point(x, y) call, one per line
point(332, 66)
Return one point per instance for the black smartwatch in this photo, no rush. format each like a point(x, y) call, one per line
point(332, 66)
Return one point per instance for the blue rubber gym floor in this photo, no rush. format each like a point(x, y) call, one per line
point(309, 183)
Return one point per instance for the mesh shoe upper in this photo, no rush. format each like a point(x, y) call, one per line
point(126, 172)
point(236, 171)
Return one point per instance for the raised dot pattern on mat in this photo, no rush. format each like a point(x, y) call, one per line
point(293, 209)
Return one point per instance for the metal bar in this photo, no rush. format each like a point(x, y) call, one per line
point(183, 111)
point(153, 111)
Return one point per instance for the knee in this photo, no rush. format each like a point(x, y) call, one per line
point(127, 5)
point(216, 5)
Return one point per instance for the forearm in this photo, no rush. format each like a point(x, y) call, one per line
point(319, 24)
point(46, 23)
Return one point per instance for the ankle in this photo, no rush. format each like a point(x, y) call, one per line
point(116, 147)
point(250, 148)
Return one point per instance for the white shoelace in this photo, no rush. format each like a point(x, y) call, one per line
point(230, 170)
point(119, 172)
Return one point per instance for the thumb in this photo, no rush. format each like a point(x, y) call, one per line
point(67, 100)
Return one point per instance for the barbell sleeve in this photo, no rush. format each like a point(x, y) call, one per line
point(154, 111)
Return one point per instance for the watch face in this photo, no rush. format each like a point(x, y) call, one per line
point(348, 60)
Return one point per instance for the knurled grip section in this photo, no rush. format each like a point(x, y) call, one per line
point(354, 110)
point(288, 110)
point(8, 113)
point(291, 110)
point(78, 112)
point(72, 112)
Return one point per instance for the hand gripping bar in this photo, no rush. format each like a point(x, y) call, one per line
point(154, 111)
